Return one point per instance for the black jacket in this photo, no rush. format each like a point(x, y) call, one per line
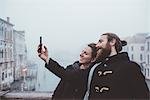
point(73, 81)
point(118, 78)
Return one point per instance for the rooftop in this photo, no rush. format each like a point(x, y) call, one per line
point(7, 22)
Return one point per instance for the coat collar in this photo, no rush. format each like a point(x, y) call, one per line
point(123, 56)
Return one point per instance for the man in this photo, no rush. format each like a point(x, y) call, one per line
point(116, 77)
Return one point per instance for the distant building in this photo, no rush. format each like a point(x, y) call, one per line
point(6, 54)
point(20, 53)
point(15, 72)
point(137, 48)
point(147, 51)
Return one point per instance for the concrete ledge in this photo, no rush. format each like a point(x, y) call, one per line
point(27, 95)
point(2, 93)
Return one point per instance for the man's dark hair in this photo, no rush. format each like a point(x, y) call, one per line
point(119, 43)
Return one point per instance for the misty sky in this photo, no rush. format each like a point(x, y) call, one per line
point(68, 25)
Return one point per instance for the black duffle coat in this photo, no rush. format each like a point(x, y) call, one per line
point(118, 78)
point(72, 85)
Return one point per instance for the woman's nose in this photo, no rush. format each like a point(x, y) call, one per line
point(81, 55)
point(97, 45)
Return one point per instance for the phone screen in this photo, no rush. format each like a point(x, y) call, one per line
point(40, 44)
point(40, 40)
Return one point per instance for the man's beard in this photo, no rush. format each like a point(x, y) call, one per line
point(102, 53)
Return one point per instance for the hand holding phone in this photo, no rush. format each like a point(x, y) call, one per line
point(40, 46)
point(43, 52)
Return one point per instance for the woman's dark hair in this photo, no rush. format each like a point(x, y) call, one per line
point(94, 50)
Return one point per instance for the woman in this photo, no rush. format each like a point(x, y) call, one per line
point(74, 78)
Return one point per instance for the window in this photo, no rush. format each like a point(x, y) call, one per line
point(9, 74)
point(141, 57)
point(6, 75)
point(148, 46)
point(5, 53)
point(132, 48)
point(148, 59)
point(145, 71)
point(148, 71)
point(142, 48)
point(5, 33)
point(127, 48)
point(2, 29)
point(0, 53)
point(3, 76)
point(132, 57)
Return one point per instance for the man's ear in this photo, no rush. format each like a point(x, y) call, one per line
point(93, 60)
point(113, 42)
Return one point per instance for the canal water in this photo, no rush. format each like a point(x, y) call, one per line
point(47, 81)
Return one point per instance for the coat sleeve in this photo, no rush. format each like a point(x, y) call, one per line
point(137, 81)
point(60, 71)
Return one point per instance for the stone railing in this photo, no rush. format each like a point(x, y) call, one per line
point(27, 95)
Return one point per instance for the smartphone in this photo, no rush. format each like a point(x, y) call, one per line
point(40, 44)
point(40, 40)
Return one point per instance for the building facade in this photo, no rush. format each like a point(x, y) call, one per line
point(15, 72)
point(6, 54)
point(147, 52)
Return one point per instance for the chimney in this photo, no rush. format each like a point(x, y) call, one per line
point(8, 19)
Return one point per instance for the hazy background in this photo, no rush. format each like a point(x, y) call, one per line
point(68, 25)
